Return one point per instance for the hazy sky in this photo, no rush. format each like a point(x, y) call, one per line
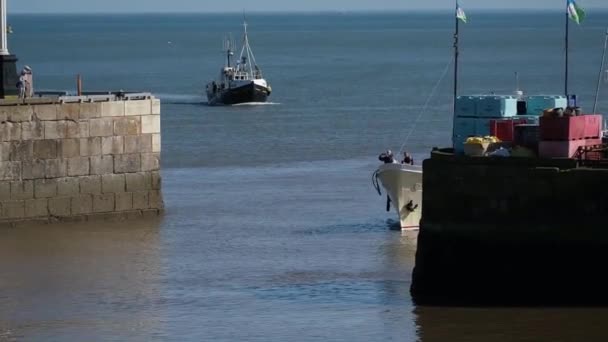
point(50, 6)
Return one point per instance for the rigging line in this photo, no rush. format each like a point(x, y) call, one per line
point(426, 104)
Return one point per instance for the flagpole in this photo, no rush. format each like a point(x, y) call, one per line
point(567, 50)
point(455, 70)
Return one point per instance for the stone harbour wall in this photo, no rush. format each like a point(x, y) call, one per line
point(79, 161)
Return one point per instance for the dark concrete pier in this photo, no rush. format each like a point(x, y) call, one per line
point(511, 231)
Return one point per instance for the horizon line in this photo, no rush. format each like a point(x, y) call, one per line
point(324, 11)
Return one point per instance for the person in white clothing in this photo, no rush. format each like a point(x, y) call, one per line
point(29, 85)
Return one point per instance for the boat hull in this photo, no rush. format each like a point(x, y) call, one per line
point(250, 92)
point(403, 185)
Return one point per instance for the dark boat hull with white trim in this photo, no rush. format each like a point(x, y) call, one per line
point(251, 92)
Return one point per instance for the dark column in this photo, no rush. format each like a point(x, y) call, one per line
point(8, 66)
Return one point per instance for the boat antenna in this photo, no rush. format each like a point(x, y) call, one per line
point(599, 76)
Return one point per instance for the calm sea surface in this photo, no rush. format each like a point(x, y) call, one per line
point(273, 231)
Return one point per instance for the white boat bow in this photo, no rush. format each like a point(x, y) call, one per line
point(403, 185)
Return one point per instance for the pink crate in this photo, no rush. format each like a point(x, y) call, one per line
point(562, 128)
point(593, 126)
point(563, 149)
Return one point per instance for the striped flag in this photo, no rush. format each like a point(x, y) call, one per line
point(460, 13)
point(576, 13)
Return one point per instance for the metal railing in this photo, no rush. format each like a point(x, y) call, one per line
point(50, 97)
point(593, 156)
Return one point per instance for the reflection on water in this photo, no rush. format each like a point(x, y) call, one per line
point(75, 281)
point(511, 324)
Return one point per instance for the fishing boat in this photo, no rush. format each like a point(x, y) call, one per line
point(403, 185)
point(239, 82)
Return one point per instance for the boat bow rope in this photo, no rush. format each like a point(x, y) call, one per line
point(426, 105)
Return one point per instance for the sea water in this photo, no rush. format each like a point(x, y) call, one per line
point(273, 231)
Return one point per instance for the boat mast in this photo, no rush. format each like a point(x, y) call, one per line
point(228, 47)
point(246, 50)
point(567, 48)
point(599, 76)
point(456, 52)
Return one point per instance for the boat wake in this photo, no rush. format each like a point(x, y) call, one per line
point(255, 104)
point(182, 99)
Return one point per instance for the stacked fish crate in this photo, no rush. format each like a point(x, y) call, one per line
point(561, 136)
point(474, 113)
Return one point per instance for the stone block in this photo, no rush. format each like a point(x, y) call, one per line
point(125, 163)
point(44, 188)
point(10, 170)
point(54, 129)
point(4, 112)
point(45, 111)
point(141, 200)
point(68, 186)
point(82, 204)
point(156, 180)
point(72, 129)
point(90, 146)
point(22, 190)
point(60, 206)
point(156, 143)
point(150, 161)
point(101, 165)
point(5, 191)
point(150, 124)
point(112, 183)
point(124, 201)
point(112, 145)
point(89, 110)
point(33, 169)
point(156, 106)
point(10, 131)
point(12, 209)
point(139, 181)
point(83, 129)
point(127, 125)
point(103, 203)
point(156, 199)
point(20, 113)
point(68, 111)
point(101, 127)
point(90, 184)
point(138, 107)
point(36, 207)
point(55, 168)
point(45, 149)
point(5, 151)
point(113, 108)
point(69, 148)
point(138, 143)
point(79, 166)
point(32, 130)
point(21, 150)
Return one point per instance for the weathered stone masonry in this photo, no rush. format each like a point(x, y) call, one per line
point(83, 160)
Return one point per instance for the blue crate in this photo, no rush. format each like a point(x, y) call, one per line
point(466, 106)
point(464, 128)
point(538, 103)
point(496, 106)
